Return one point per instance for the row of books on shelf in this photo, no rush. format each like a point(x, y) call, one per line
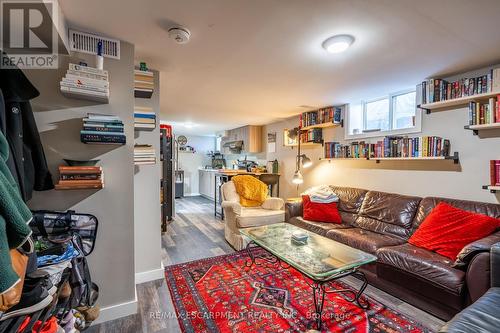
point(437, 90)
point(144, 154)
point(331, 114)
point(495, 172)
point(102, 129)
point(390, 146)
point(143, 83)
point(312, 135)
point(85, 83)
point(484, 113)
point(144, 118)
point(80, 177)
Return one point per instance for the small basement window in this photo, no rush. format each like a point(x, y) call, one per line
point(393, 114)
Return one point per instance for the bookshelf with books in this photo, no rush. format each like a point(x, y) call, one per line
point(484, 116)
point(494, 185)
point(441, 94)
point(392, 148)
point(80, 178)
point(312, 137)
point(330, 116)
point(83, 82)
point(102, 129)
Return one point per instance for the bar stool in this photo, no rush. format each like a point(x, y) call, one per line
point(272, 181)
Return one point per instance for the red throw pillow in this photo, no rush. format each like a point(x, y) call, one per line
point(447, 229)
point(320, 212)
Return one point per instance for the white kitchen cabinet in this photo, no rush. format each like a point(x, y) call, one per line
point(207, 183)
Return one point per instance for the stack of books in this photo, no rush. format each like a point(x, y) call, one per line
point(484, 113)
point(424, 146)
point(495, 172)
point(144, 154)
point(144, 118)
point(80, 177)
point(331, 114)
point(437, 90)
point(354, 150)
point(143, 84)
point(102, 129)
point(85, 83)
point(312, 135)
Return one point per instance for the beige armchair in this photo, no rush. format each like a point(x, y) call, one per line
point(238, 217)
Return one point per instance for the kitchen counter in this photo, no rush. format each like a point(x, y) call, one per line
point(231, 172)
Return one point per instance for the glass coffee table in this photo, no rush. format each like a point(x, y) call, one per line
point(320, 259)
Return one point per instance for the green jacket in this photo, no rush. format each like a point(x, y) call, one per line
point(14, 219)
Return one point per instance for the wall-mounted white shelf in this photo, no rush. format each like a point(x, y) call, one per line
point(491, 188)
point(307, 145)
point(453, 157)
point(344, 159)
point(86, 96)
point(476, 128)
point(323, 125)
point(462, 101)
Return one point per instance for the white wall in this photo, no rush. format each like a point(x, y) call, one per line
point(147, 210)
point(59, 121)
point(191, 162)
point(421, 178)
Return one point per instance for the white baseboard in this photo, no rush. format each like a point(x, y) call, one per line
point(116, 311)
point(155, 274)
point(192, 194)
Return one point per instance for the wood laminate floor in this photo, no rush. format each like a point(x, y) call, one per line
point(196, 234)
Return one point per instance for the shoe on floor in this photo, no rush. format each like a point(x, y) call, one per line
point(65, 290)
point(32, 300)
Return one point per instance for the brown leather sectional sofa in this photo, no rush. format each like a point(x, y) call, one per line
point(381, 223)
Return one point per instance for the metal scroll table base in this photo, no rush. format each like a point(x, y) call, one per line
point(319, 287)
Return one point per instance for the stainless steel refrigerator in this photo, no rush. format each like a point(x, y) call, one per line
point(167, 154)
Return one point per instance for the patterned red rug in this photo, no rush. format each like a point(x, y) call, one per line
point(219, 295)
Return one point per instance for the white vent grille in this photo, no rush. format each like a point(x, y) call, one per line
point(87, 43)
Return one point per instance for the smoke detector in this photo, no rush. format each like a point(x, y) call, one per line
point(179, 35)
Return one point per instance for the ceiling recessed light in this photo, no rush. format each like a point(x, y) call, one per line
point(189, 124)
point(338, 43)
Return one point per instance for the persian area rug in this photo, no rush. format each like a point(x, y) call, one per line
point(220, 295)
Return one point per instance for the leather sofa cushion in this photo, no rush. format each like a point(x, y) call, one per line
point(427, 205)
point(363, 240)
point(348, 218)
point(390, 208)
point(320, 228)
point(254, 217)
point(423, 264)
point(482, 316)
point(350, 199)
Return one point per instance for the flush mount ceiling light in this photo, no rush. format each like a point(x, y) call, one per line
point(338, 43)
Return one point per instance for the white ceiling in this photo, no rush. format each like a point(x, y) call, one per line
point(256, 61)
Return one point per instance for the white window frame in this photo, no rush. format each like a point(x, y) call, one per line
point(416, 129)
